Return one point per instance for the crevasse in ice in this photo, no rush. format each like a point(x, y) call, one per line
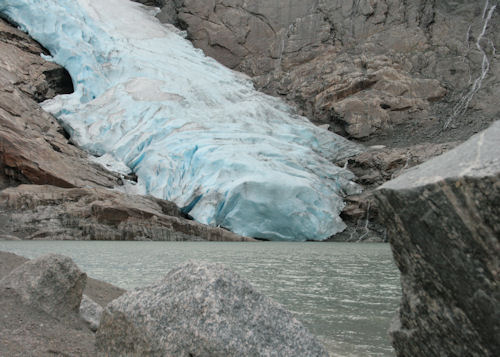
point(192, 130)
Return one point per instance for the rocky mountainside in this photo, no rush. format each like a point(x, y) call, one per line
point(392, 72)
point(70, 196)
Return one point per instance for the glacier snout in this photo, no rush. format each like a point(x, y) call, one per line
point(193, 131)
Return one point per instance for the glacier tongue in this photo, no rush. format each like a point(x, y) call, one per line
point(192, 130)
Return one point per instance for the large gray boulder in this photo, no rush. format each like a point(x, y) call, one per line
point(52, 283)
point(444, 228)
point(201, 310)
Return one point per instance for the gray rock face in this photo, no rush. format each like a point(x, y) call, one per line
point(442, 219)
point(91, 312)
point(201, 310)
point(49, 212)
point(52, 283)
point(372, 69)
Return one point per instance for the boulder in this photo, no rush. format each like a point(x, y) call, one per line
point(8, 262)
point(442, 220)
point(90, 312)
point(201, 310)
point(52, 283)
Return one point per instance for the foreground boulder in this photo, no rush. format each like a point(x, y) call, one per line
point(442, 220)
point(201, 310)
point(27, 330)
point(52, 283)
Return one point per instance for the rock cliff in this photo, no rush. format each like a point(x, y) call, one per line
point(375, 70)
point(442, 220)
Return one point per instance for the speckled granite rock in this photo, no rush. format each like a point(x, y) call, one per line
point(201, 310)
point(90, 312)
point(52, 283)
point(55, 213)
point(444, 228)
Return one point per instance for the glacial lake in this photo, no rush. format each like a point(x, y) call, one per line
point(346, 294)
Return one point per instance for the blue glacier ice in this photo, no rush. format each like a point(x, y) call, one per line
point(192, 130)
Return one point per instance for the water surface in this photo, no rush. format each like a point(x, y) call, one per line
point(346, 294)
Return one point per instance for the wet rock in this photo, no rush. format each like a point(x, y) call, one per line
point(49, 212)
point(360, 214)
point(442, 220)
point(52, 283)
point(90, 312)
point(201, 310)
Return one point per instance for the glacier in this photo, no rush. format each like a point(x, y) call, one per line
point(194, 131)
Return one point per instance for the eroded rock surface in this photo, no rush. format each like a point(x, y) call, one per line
point(201, 310)
point(49, 212)
point(375, 70)
point(442, 220)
